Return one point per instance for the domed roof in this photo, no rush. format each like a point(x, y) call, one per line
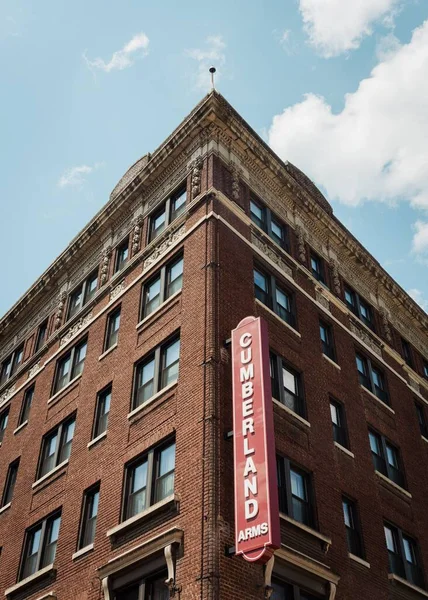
point(309, 186)
point(130, 175)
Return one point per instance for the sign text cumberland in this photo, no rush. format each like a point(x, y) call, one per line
point(257, 532)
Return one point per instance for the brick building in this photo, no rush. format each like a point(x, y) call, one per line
point(115, 391)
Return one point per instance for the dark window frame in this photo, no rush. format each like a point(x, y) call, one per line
point(422, 420)
point(163, 275)
point(269, 297)
point(167, 207)
point(397, 562)
point(11, 363)
point(57, 431)
point(265, 224)
point(70, 355)
point(98, 416)
point(4, 418)
point(9, 485)
point(292, 591)
point(121, 247)
point(381, 462)
point(367, 379)
point(144, 586)
point(407, 353)
point(295, 402)
point(319, 272)
point(284, 468)
point(109, 332)
point(355, 307)
point(27, 401)
point(41, 335)
point(354, 536)
point(340, 432)
point(83, 292)
point(425, 369)
point(151, 456)
point(328, 347)
point(85, 520)
point(45, 526)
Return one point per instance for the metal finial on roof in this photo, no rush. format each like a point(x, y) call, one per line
point(212, 71)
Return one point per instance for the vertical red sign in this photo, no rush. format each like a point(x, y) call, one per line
point(257, 533)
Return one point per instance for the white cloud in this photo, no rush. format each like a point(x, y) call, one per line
point(76, 176)
point(420, 238)
point(375, 148)
point(418, 297)
point(336, 26)
point(137, 47)
point(214, 55)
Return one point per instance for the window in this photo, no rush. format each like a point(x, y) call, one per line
point(26, 405)
point(268, 291)
point(386, 458)
point(337, 412)
point(56, 446)
point(295, 492)
point(89, 516)
point(420, 411)
point(40, 546)
point(12, 474)
point(3, 423)
point(41, 335)
point(112, 331)
point(371, 378)
point(102, 410)
point(352, 525)
point(286, 591)
point(286, 385)
point(359, 307)
point(161, 286)
point(122, 255)
point(407, 352)
point(82, 294)
point(266, 220)
point(11, 364)
point(327, 343)
point(157, 371)
point(149, 479)
point(403, 555)
point(425, 370)
point(70, 366)
point(172, 208)
point(148, 588)
point(317, 268)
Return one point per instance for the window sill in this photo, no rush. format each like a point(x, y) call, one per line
point(270, 311)
point(396, 579)
point(18, 429)
point(291, 412)
point(359, 560)
point(164, 390)
point(108, 351)
point(391, 410)
point(344, 450)
point(97, 439)
point(64, 389)
point(5, 507)
point(29, 580)
point(142, 516)
point(82, 551)
point(309, 530)
point(331, 361)
point(156, 311)
point(50, 474)
point(394, 485)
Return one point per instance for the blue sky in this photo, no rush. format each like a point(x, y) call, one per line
point(339, 87)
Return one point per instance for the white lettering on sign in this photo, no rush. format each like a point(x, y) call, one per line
point(252, 532)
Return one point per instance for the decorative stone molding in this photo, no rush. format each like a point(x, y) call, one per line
point(268, 569)
point(171, 238)
point(301, 250)
point(4, 397)
point(34, 369)
point(271, 254)
point(414, 384)
point(385, 325)
point(335, 277)
point(116, 290)
point(235, 174)
point(136, 234)
point(60, 310)
point(105, 261)
point(319, 296)
point(74, 330)
point(196, 169)
point(365, 337)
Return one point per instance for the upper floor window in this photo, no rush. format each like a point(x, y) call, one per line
point(268, 291)
point(286, 591)
point(149, 479)
point(143, 588)
point(352, 525)
point(82, 294)
point(166, 282)
point(425, 369)
point(102, 410)
point(70, 366)
point(26, 405)
point(407, 352)
point(4, 416)
point(337, 412)
point(266, 220)
point(327, 341)
point(295, 492)
point(420, 411)
point(318, 268)
point(286, 385)
point(157, 371)
point(11, 364)
point(41, 336)
point(403, 555)
point(122, 255)
point(359, 307)
point(372, 378)
point(89, 516)
point(172, 208)
point(12, 474)
point(112, 329)
point(56, 446)
point(386, 458)
point(40, 545)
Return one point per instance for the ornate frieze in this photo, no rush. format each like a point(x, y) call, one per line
point(335, 277)
point(301, 250)
point(136, 234)
point(321, 298)
point(235, 174)
point(385, 325)
point(4, 397)
point(117, 290)
point(60, 310)
point(171, 238)
point(414, 384)
point(34, 369)
point(271, 254)
point(74, 330)
point(365, 337)
point(105, 261)
point(196, 170)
